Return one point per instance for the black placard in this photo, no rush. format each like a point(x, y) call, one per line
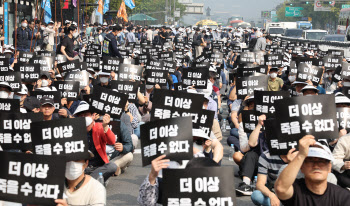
point(166, 56)
point(129, 72)
point(172, 137)
point(299, 116)
point(105, 101)
point(29, 72)
point(343, 118)
point(32, 179)
point(56, 95)
point(199, 186)
point(15, 130)
point(336, 53)
point(197, 77)
point(169, 104)
point(4, 64)
point(264, 101)
point(13, 78)
point(111, 64)
point(9, 105)
point(345, 73)
point(332, 63)
point(156, 77)
point(93, 62)
point(205, 121)
point(309, 72)
point(62, 137)
point(80, 76)
point(69, 66)
point(247, 85)
point(126, 87)
point(216, 57)
point(274, 60)
point(250, 120)
point(68, 89)
point(25, 56)
point(155, 65)
point(170, 66)
point(46, 63)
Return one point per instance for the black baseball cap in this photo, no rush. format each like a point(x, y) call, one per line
point(47, 100)
point(31, 103)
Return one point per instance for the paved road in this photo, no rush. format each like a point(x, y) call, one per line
point(123, 190)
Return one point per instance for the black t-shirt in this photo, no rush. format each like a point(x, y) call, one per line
point(333, 196)
point(68, 43)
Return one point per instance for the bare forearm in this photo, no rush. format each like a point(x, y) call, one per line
point(253, 138)
point(234, 119)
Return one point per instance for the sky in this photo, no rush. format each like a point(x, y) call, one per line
point(248, 9)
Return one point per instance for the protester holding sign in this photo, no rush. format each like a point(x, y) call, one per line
point(275, 83)
point(315, 161)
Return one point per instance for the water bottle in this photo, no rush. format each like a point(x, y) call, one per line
point(223, 126)
point(101, 179)
point(232, 151)
point(253, 186)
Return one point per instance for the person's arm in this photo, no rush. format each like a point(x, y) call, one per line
point(284, 183)
point(254, 136)
point(141, 98)
point(109, 135)
point(339, 154)
point(243, 139)
point(218, 150)
point(148, 193)
point(235, 119)
point(126, 139)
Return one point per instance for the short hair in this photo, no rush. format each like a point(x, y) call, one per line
point(71, 28)
point(269, 37)
point(24, 19)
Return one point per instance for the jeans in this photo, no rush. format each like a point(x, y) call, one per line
point(259, 198)
point(137, 131)
point(107, 170)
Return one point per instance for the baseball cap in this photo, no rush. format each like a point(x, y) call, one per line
point(31, 103)
point(88, 121)
point(47, 100)
point(200, 133)
point(6, 84)
point(298, 82)
point(340, 98)
point(320, 151)
point(250, 99)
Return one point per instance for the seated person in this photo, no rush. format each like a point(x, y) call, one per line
point(341, 164)
point(81, 189)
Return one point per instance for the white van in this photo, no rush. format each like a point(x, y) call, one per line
point(314, 34)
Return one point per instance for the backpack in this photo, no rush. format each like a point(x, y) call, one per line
point(252, 43)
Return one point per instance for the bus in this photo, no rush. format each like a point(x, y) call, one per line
point(234, 21)
point(344, 16)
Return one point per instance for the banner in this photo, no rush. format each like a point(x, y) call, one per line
point(309, 72)
point(105, 101)
point(68, 66)
point(111, 64)
point(79, 76)
point(9, 105)
point(92, 62)
point(29, 72)
point(25, 56)
point(126, 87)
point(250, 120)
point(331, 62)
point(4, 64)
point(156, 77)
point(264, 101)
point(15, 130)
point(129, 72)
point(199, 186)
point(13, 78)
point(31, 179)
point(172, 137)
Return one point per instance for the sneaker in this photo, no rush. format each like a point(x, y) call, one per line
point(244, 189)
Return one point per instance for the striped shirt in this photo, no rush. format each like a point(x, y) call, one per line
point(270, 165)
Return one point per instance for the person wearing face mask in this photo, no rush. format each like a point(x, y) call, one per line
point(104, 79)
point(298, 86)
point(274, 83)
point(110, 44)
point(44, 84)
point(80, 188)
point(21, 96)
point(98, 135)
point(49, 34)
point(131, 35)
point(67, 46)
point(5, 90)
point(23, 36)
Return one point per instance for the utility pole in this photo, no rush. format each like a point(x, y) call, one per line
point(166, 12)
point(174, 12)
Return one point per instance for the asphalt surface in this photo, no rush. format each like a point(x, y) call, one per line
point(123, 190)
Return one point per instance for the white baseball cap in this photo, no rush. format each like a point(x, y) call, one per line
point(200, 133)
point(24, 90)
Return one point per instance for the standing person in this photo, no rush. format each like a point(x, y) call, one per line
point(23, 36)
point(67, 47)
point(131, 35)
point(110, 45)
point(261, 42)
point(149, 33)
point(32, 42)
point(49, 34)
point(274, 83)
point(315, 161)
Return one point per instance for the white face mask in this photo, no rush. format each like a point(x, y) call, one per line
point(76, 34)
point(273, 75)
point(73, 170)
point(291, 78)
point(44, 83)
point(346, 84)
point(4, 95)
point(50, 27)
point(24, 24)
point(104, 79)
point(15, 96)
point(43, 28)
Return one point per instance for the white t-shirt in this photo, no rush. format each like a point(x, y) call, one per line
point(93, 193)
